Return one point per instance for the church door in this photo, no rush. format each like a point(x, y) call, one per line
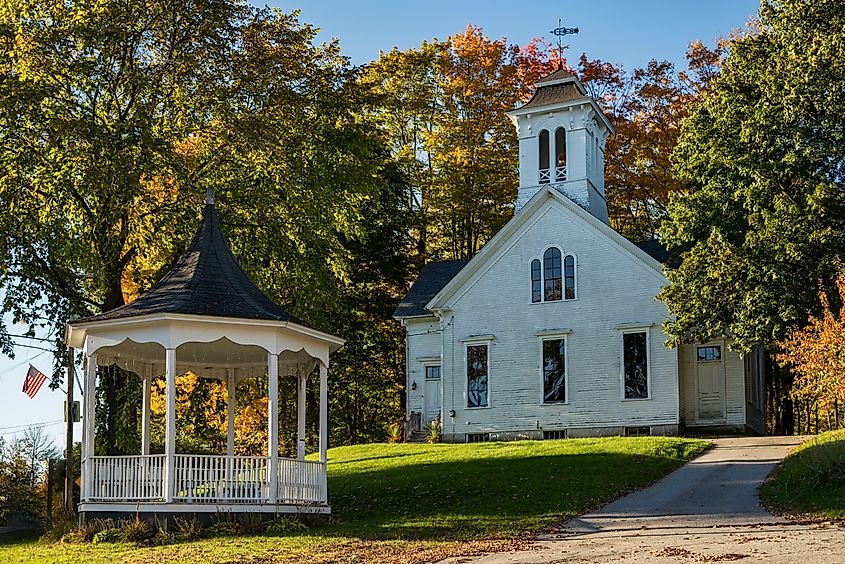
point(432, 392)
point(710, 369)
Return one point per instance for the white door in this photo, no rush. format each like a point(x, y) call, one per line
point(711, 382)
point(432, 392)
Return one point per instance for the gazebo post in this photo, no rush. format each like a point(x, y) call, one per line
point(170, 425)
point(145, 411)
point(300, 416)
point(324, 411)
point(88, 427)
point(230, 404)
point(273, 423)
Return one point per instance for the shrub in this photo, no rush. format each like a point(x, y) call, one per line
point(251, 523)
point(188, 528)
point(222, 529)
point(108, 535)
point(394, 432)
point(135, 530)
point(286, 524)
point(433, 432)
point(88, 529)
point(162, 537)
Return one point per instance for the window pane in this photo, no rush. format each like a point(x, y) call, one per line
point(709, 353)
point(432, 373)
point(552, 274)
point(636, 365)
point(477, 376)
point(554, 371)
point(569, 276)
point(536, 282)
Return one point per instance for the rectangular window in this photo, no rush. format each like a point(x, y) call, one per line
point(635, 360)
point(432, 373)
point(569, 277)
point(554, 370)
point(706, 354)
point(477, 375)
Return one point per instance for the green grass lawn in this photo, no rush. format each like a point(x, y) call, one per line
point(810, 482)
point(414, 502)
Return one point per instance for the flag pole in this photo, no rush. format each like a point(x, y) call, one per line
point(69, 412)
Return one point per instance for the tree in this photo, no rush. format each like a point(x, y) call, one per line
point(23, 466)
point(443, 107)
point(761, 228)
point(116, 117)
point(816, 354)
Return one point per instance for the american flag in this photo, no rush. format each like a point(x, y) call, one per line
point(34, 380)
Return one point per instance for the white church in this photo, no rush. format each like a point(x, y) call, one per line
point(553, 330)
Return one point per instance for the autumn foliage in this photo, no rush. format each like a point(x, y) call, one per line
point(816, 354)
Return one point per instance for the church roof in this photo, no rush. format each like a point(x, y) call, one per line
point(432, 278)
point(559, 74)
point(548, 94)
point(207, 280)
point(656, 250)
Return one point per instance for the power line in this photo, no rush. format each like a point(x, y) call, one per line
point(18, 365)
point(27, 425)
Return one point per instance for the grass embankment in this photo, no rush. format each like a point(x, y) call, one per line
point(810, 482)
point(413, 503)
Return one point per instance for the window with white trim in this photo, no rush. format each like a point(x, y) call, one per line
point(553, 279)
point(554, 370)
point(477, 375)
point(635, 364)
point(432, 372)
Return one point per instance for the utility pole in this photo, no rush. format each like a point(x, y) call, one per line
point(69, 412)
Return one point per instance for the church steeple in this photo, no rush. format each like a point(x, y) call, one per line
point(562, 134)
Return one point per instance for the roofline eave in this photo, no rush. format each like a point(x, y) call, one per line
point(74, 339)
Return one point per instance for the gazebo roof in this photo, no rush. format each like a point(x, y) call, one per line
point(207, 280)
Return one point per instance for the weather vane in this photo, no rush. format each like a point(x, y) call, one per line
point(560, 31)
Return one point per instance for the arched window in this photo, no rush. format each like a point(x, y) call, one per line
point(536, 282)
point(545, 177)
point(560, 154)
point(569, 277)
point(552, 274)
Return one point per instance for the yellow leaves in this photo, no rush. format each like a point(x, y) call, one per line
point(817, 353)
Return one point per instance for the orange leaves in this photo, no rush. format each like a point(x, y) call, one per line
point(817, 353)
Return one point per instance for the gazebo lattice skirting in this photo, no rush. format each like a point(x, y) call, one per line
point(207, 317)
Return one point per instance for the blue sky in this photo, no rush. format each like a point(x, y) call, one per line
point(626, 32)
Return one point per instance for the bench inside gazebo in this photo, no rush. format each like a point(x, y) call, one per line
point(205, 316)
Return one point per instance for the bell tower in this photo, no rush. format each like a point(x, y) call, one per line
point(562, 134)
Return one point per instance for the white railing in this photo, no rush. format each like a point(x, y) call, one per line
point(127, 478)
point(560, 173)
point(200, 478)
point(301, 481)
point(545, 175)
point(212, 478)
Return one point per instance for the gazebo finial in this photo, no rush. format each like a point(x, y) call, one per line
point(209, 196)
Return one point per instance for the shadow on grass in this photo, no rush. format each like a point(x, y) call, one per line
point(490, 497)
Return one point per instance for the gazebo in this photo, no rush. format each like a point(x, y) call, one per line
point(205, 316)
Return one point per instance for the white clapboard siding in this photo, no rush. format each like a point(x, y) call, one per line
point(614, 288)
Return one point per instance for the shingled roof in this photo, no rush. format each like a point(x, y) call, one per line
point(554, 88)
point(207, 280)
point(656, 250)
point(433, 277)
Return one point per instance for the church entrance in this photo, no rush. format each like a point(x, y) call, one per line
point(432, 393)
point(710, 369)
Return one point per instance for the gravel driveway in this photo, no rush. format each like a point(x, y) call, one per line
point(706, 511)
